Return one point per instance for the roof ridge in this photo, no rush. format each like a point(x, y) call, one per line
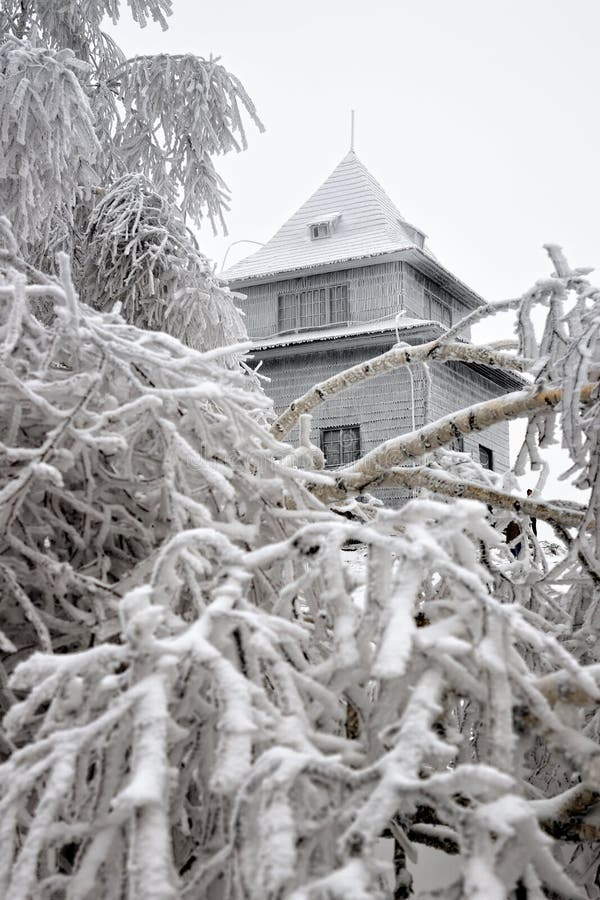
point(379, 190)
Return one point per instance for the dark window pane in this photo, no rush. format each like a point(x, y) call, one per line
point(331, 447)
point(319, 230)
point(303, 310)
point(312, 308)
point(286, 312)
point(486, 457)
point(321, 308)
point(340, 445)
point(338, 303)
point(350, 445)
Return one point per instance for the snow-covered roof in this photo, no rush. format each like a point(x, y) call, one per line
point(403, 326)
point(335, 332)
point(368, 224)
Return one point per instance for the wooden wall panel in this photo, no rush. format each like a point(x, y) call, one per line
point(455, 386)
point(374, 292)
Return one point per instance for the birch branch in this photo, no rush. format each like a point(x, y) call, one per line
point(563, 816)
point(536, 295)
point(388, 362)
point(558, 686)
point(439, 349)
point(442, 483)
point(409, 447)
point(482, 312)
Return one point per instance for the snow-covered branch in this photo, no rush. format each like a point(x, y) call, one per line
point(48, 145)
point(172, 142)
point(209, 742)
point(144, 262)
point(385, 363)
point(77, 25)
point(409, 447)
point(78, 116)
point(440, 482)
point(211, 684)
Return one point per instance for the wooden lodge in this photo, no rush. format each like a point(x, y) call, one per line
point(344, 279)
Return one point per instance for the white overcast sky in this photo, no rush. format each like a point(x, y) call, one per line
point(480, 119)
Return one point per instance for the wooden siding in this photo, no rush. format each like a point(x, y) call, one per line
point(374, 292)
point(382, 407)
point(455, 386)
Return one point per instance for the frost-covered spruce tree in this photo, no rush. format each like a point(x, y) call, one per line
point(81, 125)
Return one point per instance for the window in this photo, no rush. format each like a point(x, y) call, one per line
point(458, 444)
point(320, 230)
point(325, 227)
point(338, 303)
point(286, 312)
point(313, 308)
point(340, 445)
point(437, 310)
point(486, 457)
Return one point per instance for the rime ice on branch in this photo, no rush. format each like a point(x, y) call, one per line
point(143, 261)
point(48, 146)
point(267, 712)
point(193, 105)
point(81, 122)
point(201, 696)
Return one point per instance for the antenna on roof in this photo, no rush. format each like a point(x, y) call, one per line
point(352, 130)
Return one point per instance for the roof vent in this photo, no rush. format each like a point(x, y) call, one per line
point(324, 227)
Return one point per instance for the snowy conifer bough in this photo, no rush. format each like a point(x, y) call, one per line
point(201, 696)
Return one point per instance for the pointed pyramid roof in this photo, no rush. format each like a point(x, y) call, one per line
point(364, 220)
